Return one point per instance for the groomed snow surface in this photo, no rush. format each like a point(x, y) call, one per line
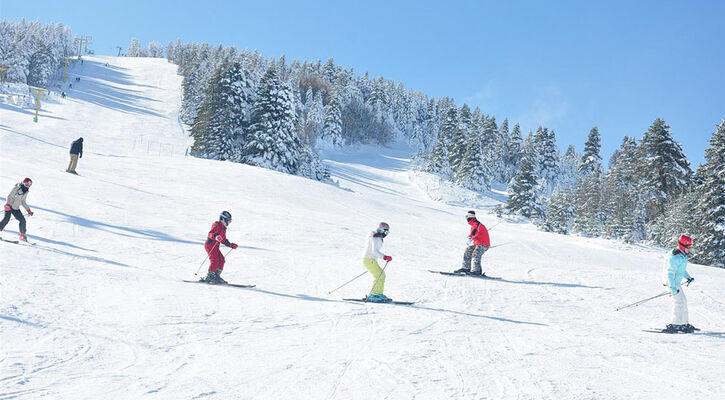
point(97, 309)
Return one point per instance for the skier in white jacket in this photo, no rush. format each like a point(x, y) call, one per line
point(16, 199)
point(370, 255)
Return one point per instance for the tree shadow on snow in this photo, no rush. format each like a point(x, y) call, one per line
point(65, 147)
point(442, 310)
point(34, 237)
point(298, 296)
point(118, 229)
point(555, 284)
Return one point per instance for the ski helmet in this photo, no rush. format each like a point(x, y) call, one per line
point(27, 182)
point(225, 217)
point(470, 215)
point(685, 242)
point(383, 228)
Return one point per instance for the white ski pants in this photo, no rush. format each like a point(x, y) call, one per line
point(679, 309)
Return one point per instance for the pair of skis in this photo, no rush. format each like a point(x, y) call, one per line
point(17, 241)
point(222, 284)
point(482, 276)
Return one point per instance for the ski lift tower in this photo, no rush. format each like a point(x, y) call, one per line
point(81, 40)
point(65, 68)
point(85, 46)
point(37, 101)
point(119, 50)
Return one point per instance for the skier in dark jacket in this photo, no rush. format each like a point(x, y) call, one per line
point(76, 152)
point(478, 243)
point(16, 199)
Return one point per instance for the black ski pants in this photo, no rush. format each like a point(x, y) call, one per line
point(474, 253)
point(18, 215)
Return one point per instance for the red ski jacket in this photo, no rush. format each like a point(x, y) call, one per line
point(217, 229)
point(479, 234)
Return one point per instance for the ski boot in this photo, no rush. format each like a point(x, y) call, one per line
point(476, 273)
point(673, 328)
point(687, 328)
point(219, 278)
point(378, 298)
point(23, 237)
point(462, 271)
point(210, 278)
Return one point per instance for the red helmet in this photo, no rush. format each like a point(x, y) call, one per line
point(685, 242)
point(27, 182)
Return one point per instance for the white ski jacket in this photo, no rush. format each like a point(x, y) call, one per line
point(373, 246)
point(16, 198)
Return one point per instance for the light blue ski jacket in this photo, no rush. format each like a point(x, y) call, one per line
point(676, 266)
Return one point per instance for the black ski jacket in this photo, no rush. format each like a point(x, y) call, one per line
point(77, 147)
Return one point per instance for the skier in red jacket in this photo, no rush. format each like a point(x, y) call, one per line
point(478, 243)
point(216, 237)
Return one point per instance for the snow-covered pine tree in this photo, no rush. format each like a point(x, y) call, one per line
point(473, 173)
point(40, 67)
point(588, 205)
point(524, 198)
point(591, 159)
point(459, 141)
point(155, 49)
point(623, 203)
point(549, 164)
point(438, 163)
point(666, 170)
point(515, 148)
point(271, 139)
point(502, 145)
point(332, 128)
point(134, 49)
point(559, 213)
point(569, 174)
point(224, 115)
point(710, 208)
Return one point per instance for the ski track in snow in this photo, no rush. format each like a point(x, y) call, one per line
point(97, 308)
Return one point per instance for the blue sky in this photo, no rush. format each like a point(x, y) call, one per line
point(568, 65)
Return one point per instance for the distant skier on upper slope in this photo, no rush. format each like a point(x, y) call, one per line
point(216, 237)
point(478, 243)
point(675, 267)
point(16, 198)
point(372, 252)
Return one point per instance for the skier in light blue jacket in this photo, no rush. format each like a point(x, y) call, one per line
point(676, 270)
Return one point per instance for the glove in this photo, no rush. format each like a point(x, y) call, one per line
point(30, 212)
point(674, 291)
point(470, 241)
point(218, 238)
point(233, 245)
point(689, 281)
point(7, 207)
point(387, 258)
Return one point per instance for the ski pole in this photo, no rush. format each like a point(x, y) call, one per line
point(205, 258)
point(643, 301)
point(491, 228)
point(345, 284)
point(499, 245)
point(378, 278)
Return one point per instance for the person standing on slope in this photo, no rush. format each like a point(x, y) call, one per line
point(76, 151)
point(370, 255)
point(676, 269)
point(16, 198)
point(216, 237)
point(478, 244)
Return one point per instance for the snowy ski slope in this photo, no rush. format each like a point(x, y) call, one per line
point(97, 308)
